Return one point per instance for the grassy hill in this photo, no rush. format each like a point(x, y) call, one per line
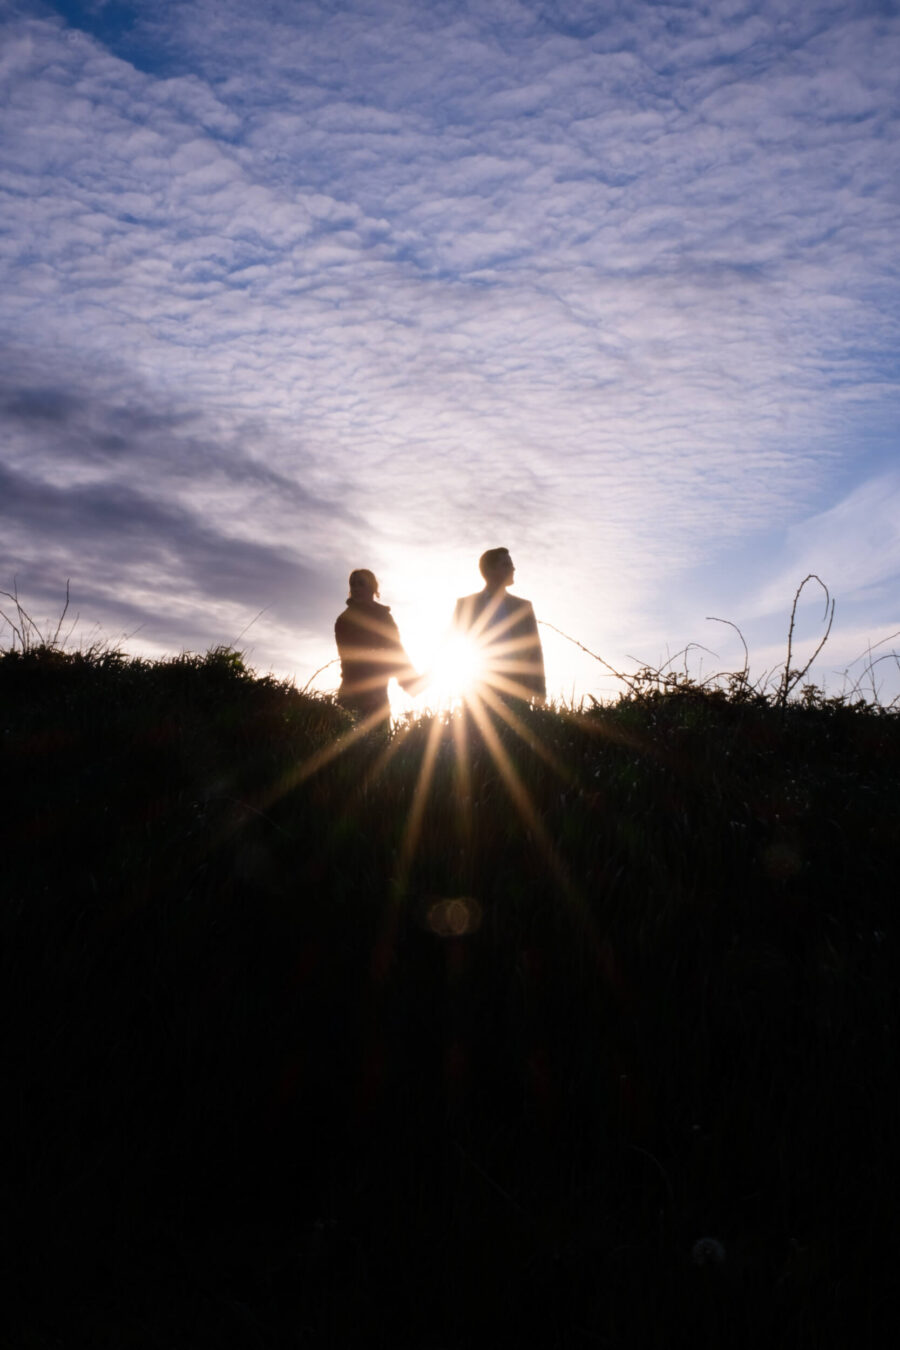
point(592, 1042)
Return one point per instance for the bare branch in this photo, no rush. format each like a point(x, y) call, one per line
point(790, 679)
point(319, 672)
point(870, 648)
point(236, 640)
point(54, 640)
point(885, 656)
point(17, 632)
point(711, 618)
point(612, 670)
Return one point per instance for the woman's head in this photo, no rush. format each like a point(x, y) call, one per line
point(363, 584)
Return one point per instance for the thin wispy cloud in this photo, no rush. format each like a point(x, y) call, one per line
point(384, 284)
point(859, 538)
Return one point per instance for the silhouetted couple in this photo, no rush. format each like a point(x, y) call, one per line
point(501, 626)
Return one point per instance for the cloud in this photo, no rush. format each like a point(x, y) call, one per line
point(85, 422)
point(114, 529)
point(153, 510)
point(856, 542)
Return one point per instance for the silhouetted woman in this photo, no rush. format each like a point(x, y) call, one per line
point(370, 649)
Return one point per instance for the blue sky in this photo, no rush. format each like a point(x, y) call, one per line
point(304, 287)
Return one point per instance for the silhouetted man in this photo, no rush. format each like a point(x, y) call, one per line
point(504, 629)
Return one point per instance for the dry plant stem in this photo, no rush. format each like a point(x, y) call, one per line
point(26, 623)
point(248, 626)
point(873, 648)
point(55, 639)
point(698, 646)
point(612, 670)
point(6, 619)
point(711, 618)
point(664, 675)
point(27, 631)
point(870, 666)
point(315, 673)
point(712, 681)
point(790, 679)
point(868, 673)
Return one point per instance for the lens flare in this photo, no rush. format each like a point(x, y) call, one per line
point(454, 918)
point(458, 668)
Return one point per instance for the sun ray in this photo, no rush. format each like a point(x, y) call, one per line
point(519, 795)
point(307, 767)
point(462, 784)
point(398, 739)
point(524, 732)
point(386, 938)
point(291, 778)
point(421, 792)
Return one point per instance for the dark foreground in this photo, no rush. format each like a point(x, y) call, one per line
point(264, 1087)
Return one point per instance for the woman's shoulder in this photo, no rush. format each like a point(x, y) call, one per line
point(366, 613)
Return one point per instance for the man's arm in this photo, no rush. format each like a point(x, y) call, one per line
point(525, 659)
point(534, 654)
point(463, 614)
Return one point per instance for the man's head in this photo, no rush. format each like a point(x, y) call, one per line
point(496, 566)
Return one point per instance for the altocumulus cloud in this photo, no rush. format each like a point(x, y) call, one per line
point(289, 288)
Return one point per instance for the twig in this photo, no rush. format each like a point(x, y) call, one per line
point(870, 648)
point(711, 618)
point(27, 631)
point(249, 625)
point(684, 652)
point(612, 670)
point(53, 641)
point(25, 619)
point(885, 656)
point(319, 672)
point(664, 674)
point(788, 683)
point(870, 665)
point(17, 633)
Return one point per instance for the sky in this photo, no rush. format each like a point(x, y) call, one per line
point(310, 285)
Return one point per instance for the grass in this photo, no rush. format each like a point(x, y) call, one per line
point(255, 1098)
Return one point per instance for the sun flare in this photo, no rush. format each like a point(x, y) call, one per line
point(458, 669)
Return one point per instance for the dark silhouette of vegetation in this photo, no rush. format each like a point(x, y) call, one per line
point(616, 1071)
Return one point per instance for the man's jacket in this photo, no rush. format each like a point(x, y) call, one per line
point(505, 631)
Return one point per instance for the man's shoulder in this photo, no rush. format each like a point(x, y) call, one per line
point(519, 605)
point(470, 607)
point(479, 599)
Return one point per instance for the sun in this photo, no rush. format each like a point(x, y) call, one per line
point(456, 671)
